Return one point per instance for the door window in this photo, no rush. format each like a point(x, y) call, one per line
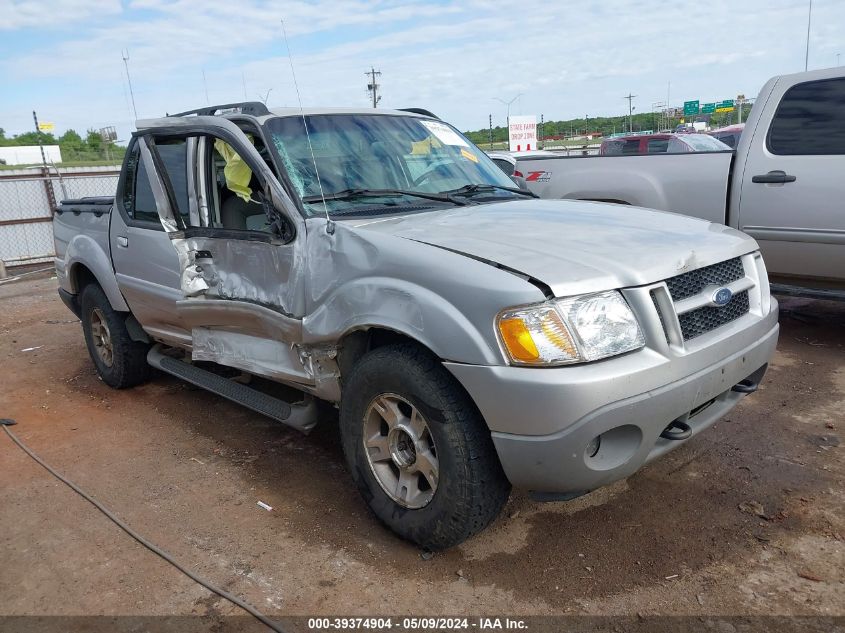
point(631, 147)
point(174, 157)
point(235, 202)
point(138, 198)
point(810, 120)
point(504, 165)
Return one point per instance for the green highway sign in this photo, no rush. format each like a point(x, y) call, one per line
point(691, 107)
point(725, 106)
point(708, 108)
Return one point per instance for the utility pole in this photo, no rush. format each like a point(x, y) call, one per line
point(48, 182)
point(668, 105)
point(373, 85)
point(243, 81)
point(40, 142)
point(125, 56)
point(540, 143)
point(807, 52)
point(630, 99)
point(490, 124)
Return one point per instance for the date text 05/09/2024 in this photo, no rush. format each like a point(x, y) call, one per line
point(416, 623)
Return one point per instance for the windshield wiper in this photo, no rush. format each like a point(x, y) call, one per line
point(469, 190)
point(351, 194)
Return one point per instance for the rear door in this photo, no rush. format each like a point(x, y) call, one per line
point(793, 184)
point(146, 265)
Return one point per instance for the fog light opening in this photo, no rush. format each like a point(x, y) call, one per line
point(613, 448)
point(593, 446)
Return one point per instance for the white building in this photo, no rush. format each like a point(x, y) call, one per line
point(29, 154)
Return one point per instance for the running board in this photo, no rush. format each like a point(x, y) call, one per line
point(301, 416)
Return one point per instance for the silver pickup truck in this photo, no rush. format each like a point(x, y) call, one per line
point(783, 185)
point(473, 337)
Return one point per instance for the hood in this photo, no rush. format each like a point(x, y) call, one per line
point(573, 246)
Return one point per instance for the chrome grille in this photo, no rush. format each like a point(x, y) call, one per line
point(692, 283)
point(707, 318)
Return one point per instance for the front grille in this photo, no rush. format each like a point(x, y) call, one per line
point(702, 320)
point(691, 283)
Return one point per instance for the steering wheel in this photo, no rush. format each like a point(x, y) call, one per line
point(440, 170)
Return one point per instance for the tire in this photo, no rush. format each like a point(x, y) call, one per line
point(469, 488)
point(125, 364)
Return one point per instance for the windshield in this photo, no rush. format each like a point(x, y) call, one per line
point(705, 143)
point(376, 152)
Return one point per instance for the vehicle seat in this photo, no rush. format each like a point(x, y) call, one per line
point(236, 213)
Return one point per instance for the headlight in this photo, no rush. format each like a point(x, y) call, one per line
point(570, 330)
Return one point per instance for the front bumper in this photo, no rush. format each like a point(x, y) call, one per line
point(544, 421)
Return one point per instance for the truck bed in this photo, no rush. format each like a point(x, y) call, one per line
point(82, 225)
point(694, 184)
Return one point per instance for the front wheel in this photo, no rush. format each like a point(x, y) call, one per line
point(418, 449)
point(120, 361)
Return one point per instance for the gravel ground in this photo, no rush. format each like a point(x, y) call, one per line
point(746, 519)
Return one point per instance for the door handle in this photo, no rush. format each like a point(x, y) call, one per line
point(122, 241)
point(776, 177)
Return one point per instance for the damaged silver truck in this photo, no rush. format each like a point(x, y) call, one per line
point(472, 337)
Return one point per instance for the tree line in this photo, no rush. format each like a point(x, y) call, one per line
point(606, 125)
point(74, 147)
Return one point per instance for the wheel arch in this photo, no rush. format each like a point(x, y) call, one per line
point(80, 277)
point(89, 263)
point(355, 343)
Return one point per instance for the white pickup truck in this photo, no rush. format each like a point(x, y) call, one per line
point(784, 185)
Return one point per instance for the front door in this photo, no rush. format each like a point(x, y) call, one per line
point(793, 185)
point(238, 242)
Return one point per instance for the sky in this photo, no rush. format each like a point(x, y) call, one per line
point(63, 58)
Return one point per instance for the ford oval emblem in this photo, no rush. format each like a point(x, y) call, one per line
point(721, 297)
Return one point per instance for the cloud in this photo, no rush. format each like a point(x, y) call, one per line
point(451, 57)
point(41, 14)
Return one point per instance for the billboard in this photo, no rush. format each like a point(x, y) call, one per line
point(522, 133)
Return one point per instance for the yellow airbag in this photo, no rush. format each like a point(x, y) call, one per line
point(237, 172)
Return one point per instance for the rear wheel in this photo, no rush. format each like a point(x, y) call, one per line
point(418, 449)
point(120, 361)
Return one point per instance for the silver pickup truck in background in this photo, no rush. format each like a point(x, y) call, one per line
point(473, 337)
point(784, 185)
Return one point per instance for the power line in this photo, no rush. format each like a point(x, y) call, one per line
point(373, 86)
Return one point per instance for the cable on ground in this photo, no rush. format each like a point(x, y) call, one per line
point(6, 423)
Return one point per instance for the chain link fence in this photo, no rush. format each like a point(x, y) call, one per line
point(27, 200)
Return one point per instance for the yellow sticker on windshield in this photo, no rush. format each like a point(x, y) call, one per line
point(469, 155)
point(425, 146)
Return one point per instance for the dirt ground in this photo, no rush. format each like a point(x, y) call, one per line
point(186, 469)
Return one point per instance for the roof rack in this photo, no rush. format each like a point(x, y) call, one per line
point(255, 108)
point(422, 111)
